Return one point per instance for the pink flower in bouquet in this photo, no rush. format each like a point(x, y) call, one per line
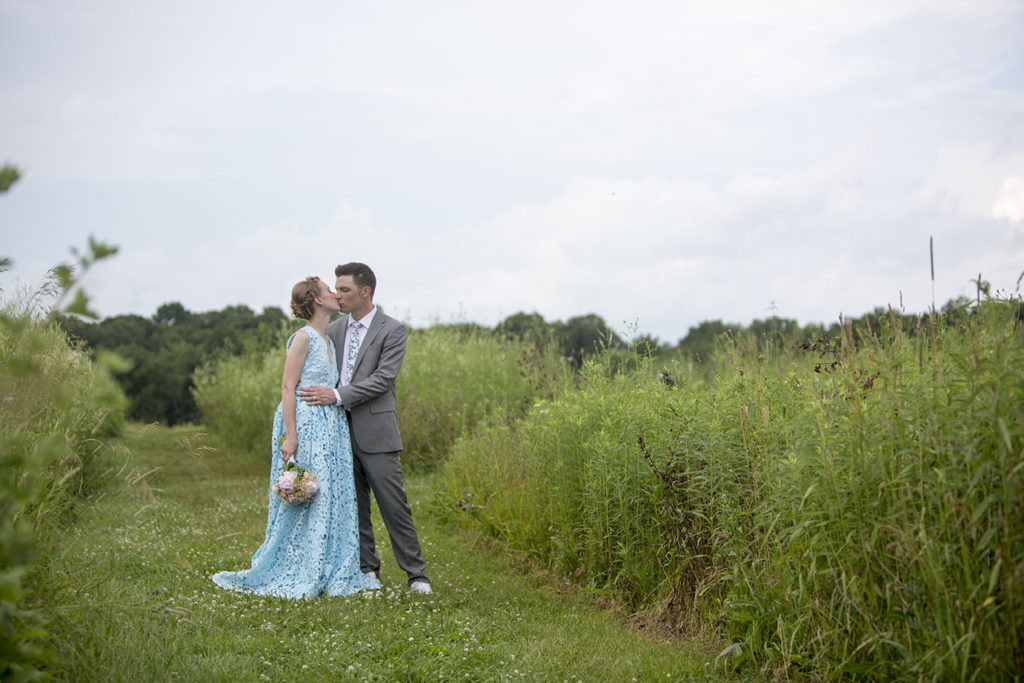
point(296, 484)
point(286, 482)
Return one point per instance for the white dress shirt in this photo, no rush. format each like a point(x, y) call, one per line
point(365, 322)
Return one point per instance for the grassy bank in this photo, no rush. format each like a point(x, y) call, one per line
point(57, 411)
point(851, 507)
point(129, 590)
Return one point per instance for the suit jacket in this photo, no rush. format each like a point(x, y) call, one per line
point(370, 396)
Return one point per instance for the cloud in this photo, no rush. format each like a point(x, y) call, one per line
point(668, 252)
point(666, 162)
point(975, 179)
point(665, 253)
point(129, 90)
point(1010, 203)
point(256, 268)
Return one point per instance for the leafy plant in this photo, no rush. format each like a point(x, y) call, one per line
point(56, 407)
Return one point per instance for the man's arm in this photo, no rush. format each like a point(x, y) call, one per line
point(319, 395)
point(383, 376)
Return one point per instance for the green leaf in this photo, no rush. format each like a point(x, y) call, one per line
point(65, 275)
point(114, 362)
point(80, 306)
point(993, 578)
point(8, 176)
point(1007, 439)
point(100, 250)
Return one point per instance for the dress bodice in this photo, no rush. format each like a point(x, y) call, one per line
point(319, 368)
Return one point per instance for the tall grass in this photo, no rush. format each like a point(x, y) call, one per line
point(450, 381)
point(852, 508)
point(57, 412)
point(52, 392)
point(237, 395)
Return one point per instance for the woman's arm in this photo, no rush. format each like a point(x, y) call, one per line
point(292, 372)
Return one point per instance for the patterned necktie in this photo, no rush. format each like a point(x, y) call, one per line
point(353, 350)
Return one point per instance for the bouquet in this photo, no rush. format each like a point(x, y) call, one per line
point(296, 484)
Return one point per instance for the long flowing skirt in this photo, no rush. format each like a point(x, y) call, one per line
point(310, 549)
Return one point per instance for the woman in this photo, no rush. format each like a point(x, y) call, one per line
point(313, 548)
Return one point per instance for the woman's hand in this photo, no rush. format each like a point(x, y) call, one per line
point(288, 448)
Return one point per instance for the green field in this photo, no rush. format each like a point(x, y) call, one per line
point(129, 590)
point(844, 507)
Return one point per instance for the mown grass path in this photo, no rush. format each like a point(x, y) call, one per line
point(129, 590)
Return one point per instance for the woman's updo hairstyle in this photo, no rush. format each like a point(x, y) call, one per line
point(303, 295)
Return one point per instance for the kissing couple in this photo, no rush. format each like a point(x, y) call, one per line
point(338, 420)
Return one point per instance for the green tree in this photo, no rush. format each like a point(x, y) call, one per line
point(171, 314)
point(700, 341)
point(647, 345)
point(774, 333)
point(526, 327)
point(584, 335)
point(161, 352)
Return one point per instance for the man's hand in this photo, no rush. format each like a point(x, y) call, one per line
point(317, 396)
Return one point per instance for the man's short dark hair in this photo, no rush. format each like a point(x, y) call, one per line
point(361, 275)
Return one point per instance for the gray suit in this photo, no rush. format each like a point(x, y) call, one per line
point(370, 402)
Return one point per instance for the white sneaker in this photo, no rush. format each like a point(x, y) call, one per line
point(421, 587)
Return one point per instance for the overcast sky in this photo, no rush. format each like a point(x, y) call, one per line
point(658, 163)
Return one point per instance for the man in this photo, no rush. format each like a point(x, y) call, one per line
point(370, 346)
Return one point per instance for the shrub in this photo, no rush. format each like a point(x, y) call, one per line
point(237, 396)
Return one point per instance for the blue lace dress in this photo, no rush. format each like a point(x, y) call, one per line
point(313, 548)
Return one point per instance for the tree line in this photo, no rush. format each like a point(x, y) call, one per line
point(159, 354)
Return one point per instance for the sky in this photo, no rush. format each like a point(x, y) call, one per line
point(658, 163)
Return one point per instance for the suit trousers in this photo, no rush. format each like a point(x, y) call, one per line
point(382, 473)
